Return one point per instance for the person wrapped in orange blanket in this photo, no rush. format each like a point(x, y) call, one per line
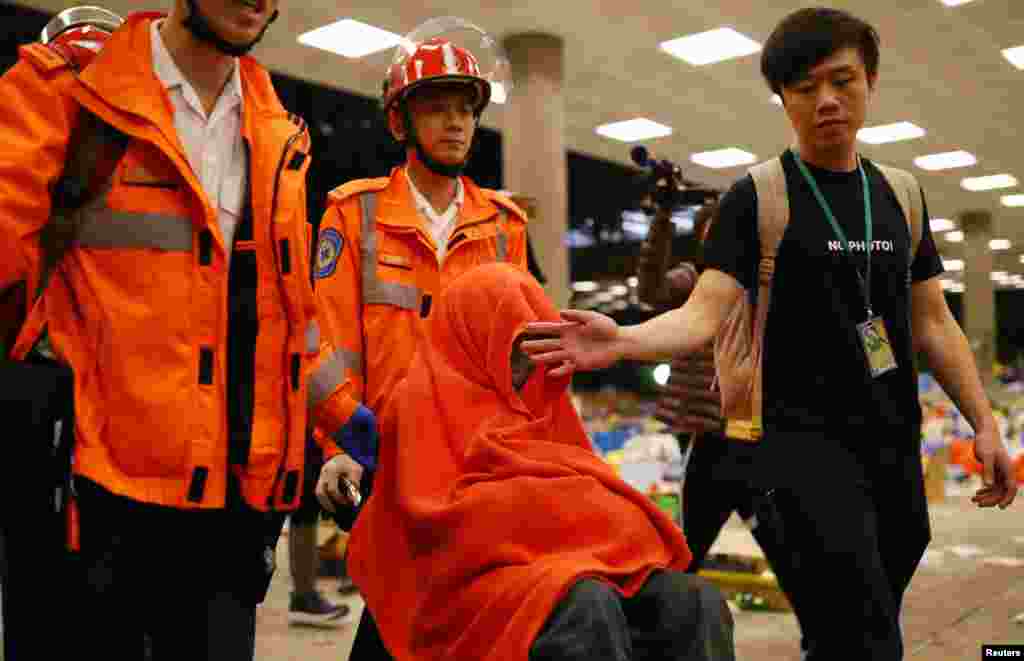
point(494, 532)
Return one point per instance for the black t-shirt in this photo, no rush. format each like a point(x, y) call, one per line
point(815, 372)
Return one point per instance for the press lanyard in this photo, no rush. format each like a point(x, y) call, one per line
point(863, 281)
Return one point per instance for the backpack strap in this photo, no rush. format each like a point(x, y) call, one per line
point(745, 331)
point(772, 207)
point(908, 193)
point(94, 150)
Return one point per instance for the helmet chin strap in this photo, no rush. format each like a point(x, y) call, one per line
point(201, 29)
point(432, 164)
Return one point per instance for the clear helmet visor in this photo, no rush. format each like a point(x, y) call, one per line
point(449, 47)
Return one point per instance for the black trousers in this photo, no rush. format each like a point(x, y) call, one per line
point(368, 645)
point(857, 517)
point(185, 584)
point(720, 481)
point(674, 617)
point(33, 561)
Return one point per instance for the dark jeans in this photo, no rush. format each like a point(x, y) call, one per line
point(859, 519)
point(185, 583)
point(674, 617)
point(719, 482)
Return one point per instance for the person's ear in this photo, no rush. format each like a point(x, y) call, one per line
point(396, 124)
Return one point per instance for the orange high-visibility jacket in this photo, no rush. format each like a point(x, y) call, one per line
point(139, 305)
point(377, 273)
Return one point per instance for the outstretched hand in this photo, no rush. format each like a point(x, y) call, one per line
point(581, 342)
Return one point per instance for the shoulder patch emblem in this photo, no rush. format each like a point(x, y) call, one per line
point(328, 250)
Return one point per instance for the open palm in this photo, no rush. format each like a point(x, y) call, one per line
point(583, 341)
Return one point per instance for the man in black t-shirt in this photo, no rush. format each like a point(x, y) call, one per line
point(841, 444)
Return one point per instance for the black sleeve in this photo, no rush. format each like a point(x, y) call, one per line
point(927, 263)
point(733, 245)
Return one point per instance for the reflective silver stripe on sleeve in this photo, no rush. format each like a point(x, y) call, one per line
point(312, 337)
point(376, 291)
point(401, 296)
point(502, 237)
point(331, 374)
point(105, 228)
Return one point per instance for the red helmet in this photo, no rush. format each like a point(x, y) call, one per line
point(79, 33)
point(436, 61)
point(438, 51)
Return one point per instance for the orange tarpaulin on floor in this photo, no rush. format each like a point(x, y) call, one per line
point(489, 504)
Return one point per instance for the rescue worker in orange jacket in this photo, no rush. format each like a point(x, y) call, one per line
point(389, 246)
point(185, 311)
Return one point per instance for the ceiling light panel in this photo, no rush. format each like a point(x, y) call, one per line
point(632, 130)
point(990, 182)
point(711, 46)
point(879, 135)
point(350, 38)
point(1016, 200)
point(941, 225)
point(946, 160)
point(999, 244)
point(723, 158)
point(954, 237)
point(1015, 56)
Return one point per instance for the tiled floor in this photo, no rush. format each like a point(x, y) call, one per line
point(968, 591)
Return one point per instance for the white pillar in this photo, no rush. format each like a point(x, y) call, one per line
point(533, 147)
point(979, 302)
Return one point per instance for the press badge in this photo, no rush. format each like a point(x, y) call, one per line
point(877, 348)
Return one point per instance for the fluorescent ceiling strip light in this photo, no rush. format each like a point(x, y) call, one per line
point(953, 264)
point(955, 3)
point(711, 46)
point(350, 38)
point(946, 160)
point(941, 225)
point(1015, 56)
point(1016, 200)
point(632, 130)
point(723, 158)
point(999, 244)
point(954, 237)
point(991, 182)
point(880, 135)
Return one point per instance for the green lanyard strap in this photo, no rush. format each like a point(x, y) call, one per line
point(863, 281)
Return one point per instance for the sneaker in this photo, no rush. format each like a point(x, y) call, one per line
point(312, 609)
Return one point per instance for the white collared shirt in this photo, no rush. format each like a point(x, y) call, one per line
point(440, 225)
point(213, 144)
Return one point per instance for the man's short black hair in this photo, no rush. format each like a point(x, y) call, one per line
point(807, 36)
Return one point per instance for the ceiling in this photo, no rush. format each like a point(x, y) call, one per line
point(941, 69)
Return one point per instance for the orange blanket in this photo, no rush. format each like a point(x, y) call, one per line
point(490, 504)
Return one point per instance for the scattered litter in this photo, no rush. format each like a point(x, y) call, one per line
point(966, 550)
point(1003, 561)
